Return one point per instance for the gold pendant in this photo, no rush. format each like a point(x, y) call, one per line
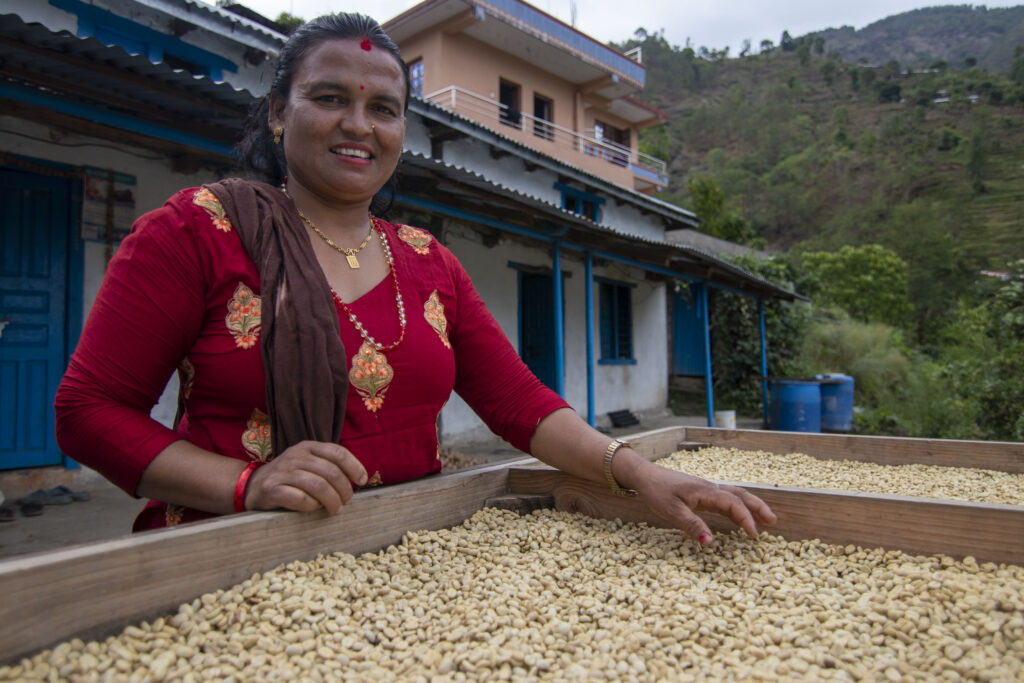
point(353, 262)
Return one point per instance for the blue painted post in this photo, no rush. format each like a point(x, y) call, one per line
point(556, 292)
point(764, 362)
point(709, 392)
point(588, 284)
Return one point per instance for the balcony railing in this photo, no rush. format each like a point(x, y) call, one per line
point(494, 113)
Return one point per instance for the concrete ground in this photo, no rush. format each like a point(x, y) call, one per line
point(110, 511)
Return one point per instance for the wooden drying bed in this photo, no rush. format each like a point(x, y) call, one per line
point(93, 590)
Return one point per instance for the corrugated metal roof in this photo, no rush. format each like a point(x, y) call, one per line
point(85, 71)
point(217, 19)
point(476, 179)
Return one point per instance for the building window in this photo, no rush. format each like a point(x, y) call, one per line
point(585, 204)
point(511, 110)
point(616, 319)
point(416, 78)
point(615, 138)
point(543, 109)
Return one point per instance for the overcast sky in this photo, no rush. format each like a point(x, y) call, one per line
point(714, 24)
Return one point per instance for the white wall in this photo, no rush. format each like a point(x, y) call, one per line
point(155, 182)
point(417, 137)
point(627, 218)
point(640, 388)
point(508, 171)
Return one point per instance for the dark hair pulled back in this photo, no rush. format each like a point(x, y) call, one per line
point(259, 157)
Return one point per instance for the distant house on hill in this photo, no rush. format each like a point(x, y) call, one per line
point(524, 163)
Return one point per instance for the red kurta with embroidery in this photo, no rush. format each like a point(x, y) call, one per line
point(182, 294)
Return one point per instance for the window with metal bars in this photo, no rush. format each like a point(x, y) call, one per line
point(616, 322)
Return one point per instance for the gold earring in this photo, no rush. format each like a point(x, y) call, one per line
point(373, 126)
point(278, 132)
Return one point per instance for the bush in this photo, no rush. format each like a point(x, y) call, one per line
point(736, 339)
point(867, 352)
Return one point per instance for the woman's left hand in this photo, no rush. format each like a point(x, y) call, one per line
point(677, 497)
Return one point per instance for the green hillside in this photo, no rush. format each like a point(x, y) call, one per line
point(886, 194)
point(817, 152)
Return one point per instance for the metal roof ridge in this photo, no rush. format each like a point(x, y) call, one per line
point(134, 60)
point(223, 17)
point(681, 214)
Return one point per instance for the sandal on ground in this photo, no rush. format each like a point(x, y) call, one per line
point(30, 508)
point(77, 496)
point(51, 497)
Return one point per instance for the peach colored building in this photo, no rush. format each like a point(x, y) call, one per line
point(532, 78)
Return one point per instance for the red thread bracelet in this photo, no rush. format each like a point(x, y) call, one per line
point(243, 484)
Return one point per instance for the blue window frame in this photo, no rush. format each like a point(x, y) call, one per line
point(615, 314)
point(583, 203)
point(416, 78)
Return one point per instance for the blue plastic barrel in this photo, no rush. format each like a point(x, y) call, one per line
point(796, 405)
point(836, 402)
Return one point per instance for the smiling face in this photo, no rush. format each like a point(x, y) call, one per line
point(343, 121)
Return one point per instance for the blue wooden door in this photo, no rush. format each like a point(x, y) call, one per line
point(537, 325)
point(687, 334)
point(33, 282)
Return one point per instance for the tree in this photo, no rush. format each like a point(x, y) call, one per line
point(745, 48)
point(868, 282)
point(819, 45)
point(976, 163)
point(786, 42)
point(1017, 69)
point(828, 72)
point(970, 62)
point(767, 47)
point(803, 53)
point(889, 92)
point(840, 127)
point(715, 220)
point(289, 22)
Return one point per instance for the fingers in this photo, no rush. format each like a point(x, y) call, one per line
point(762, 513)
point(730, 503)
point(307, 476)
point(677, 498)
point(342, 458)
point(684, 518)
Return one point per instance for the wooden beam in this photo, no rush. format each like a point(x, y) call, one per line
point(136, 106)
point(924, 526)
point(1002, 456)
point(93, 590)
point(656, 443)
point(105, 132)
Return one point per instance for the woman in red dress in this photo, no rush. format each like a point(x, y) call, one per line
point(315, 343)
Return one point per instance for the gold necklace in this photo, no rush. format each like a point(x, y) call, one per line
point(350, 254)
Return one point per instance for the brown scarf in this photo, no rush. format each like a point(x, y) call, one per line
point(303, 357)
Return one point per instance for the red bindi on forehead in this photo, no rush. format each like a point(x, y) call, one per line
point(366, 44)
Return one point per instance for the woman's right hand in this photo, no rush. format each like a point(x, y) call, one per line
point(307, 476)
